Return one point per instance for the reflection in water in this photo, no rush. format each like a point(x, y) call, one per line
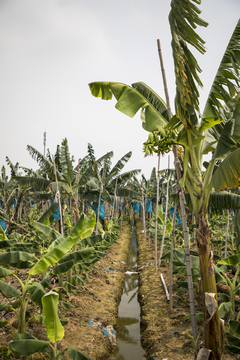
point(128, 331)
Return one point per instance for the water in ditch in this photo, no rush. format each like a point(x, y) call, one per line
point(128, 330)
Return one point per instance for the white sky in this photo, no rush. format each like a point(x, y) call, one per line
point(51, 49)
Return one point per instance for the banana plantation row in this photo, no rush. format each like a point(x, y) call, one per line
point(66, 241)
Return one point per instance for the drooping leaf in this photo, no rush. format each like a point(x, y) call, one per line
point(84, 227)
point(232, 260)
point(77, 255)
point(5, 272)
point(227, 175)
point(36, 292)
point(129, 101)
point(7, 290)
point(28, 346)
point(46, 230)
point(226, 83)
point(55, 330)
point(224, 308)
point(14, 257)
point(52, 256)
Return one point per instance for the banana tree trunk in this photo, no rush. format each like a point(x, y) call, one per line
point(212, 325)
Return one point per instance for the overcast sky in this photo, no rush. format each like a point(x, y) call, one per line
point(51, 50)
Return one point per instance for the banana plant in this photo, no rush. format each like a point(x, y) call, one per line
point(24, 260)
point(195, 137)
point(29, 345)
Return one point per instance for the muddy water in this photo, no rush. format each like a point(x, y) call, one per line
point(128, 331)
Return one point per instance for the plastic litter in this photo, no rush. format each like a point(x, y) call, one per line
point(108, 331)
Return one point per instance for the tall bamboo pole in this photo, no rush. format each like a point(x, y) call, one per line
point(166, 214)
point(156, 209)
point(182, 206)
point(61, 222)
point(171, 258)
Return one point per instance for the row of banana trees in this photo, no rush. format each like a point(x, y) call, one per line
point(215, 132)
point(92, 180)
point(38, 246)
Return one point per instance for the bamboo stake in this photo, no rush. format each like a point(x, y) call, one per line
point(164, 286)
point(171, 259)
point(156, 210)
point(183, 212)
point(166, 213)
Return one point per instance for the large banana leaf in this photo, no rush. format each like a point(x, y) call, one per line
point(124, 177)
point(226, 83)
point(224, 200)
point(129, 101)
point(7, 290)
point(47, 230)
point(77, 255)
point(227, 175)
point(36, 292)
point(227, 134)
point(92, 240)
point(127, 193)
point(38, 182)
point(84, 227)
point(13, 257)
point(45, 163)
point(183, 19)
point(55, 330)
point(52, 256)
point(118, 167)
point(28, 346)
